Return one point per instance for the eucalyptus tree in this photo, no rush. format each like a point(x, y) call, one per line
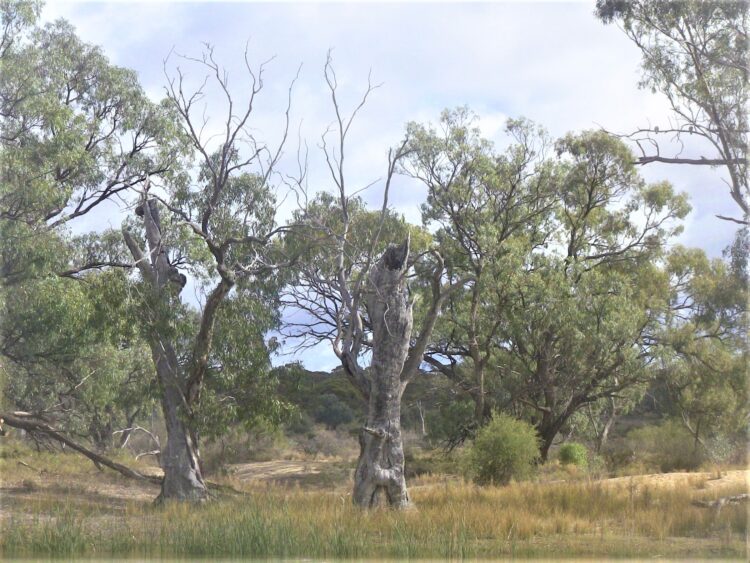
point(695, 53)
point(217, 224)
point(490, 210)
point(352, 290)
point(76, 132)
point(703, 354)
point(582, 316)
point(71, 355)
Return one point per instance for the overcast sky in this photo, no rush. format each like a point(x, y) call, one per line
point(552, 62)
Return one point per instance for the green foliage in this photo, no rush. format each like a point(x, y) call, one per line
point(504, 449)
point(70, 350)
point(703, 355)
point(666, 447)
point(332, 412)
point(487, 209)
point(317, 397)
point(451, 416)
point(76, 130)
point(694, 52)
point(240, 385)
point(573, 454)
point(561, 253)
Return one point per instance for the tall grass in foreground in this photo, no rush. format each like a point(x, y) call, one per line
point(453, 520)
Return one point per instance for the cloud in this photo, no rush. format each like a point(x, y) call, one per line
point(554, 63)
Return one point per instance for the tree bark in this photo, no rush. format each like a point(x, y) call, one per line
point(420, 410)
point(179, 457)
point(380, 469)
point(604, 435)
point(548, 430)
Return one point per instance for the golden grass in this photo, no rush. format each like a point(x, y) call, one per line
point(453, 520)
point(62, 506)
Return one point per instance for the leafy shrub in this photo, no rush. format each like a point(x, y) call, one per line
point(504, 449)
point(450, 418)
point(300, 423)
point(574, 454)
point(597, 466)
point(668, 447)
point(333, 412)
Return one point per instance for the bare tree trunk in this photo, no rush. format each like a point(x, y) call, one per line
point(183, 479)
point(420, 410)
point(479, 406)
point(548, 430)
point(380, 469)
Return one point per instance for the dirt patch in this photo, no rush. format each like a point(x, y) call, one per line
point(712, 480)
point(314, 474)
point(92, 493)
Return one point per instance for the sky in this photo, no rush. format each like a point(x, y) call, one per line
point(551, 62)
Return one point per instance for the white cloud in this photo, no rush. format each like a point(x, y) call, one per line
point(554, 63)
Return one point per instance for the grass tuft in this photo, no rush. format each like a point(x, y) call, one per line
point(453, 520)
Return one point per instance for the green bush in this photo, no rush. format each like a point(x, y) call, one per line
point(332, 411)
point(574, 454)
point(668, 447)
point(504, 449)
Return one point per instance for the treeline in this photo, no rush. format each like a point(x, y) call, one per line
point(544, 281)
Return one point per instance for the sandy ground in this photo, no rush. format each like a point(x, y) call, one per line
point(276, 470)
point(706, 481)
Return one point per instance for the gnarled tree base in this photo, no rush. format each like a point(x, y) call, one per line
point(379, 477)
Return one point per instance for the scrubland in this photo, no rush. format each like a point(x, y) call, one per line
point(57, 505)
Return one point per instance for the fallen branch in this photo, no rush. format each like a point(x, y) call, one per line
point(23, 422)
point(27, 465)
point(156, 453)
point(718, 503)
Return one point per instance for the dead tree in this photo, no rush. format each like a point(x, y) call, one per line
point(362, 305)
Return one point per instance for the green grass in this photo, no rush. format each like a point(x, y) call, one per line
point(453, 520)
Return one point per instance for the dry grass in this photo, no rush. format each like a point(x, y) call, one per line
point(453, 519)
point(64, 507)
